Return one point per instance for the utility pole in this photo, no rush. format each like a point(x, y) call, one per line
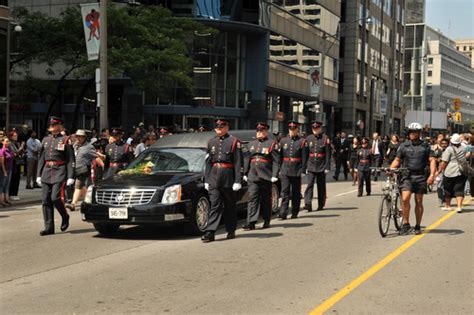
point(7, 101)
point(103, 66)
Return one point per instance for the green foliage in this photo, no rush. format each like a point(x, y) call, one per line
point(146, 44)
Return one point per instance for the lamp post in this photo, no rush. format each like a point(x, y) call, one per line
point(17, 29)
point(103, 110)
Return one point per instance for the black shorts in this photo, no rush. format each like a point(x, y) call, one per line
point(414, 183)
point(81, 181)
point(454, 186)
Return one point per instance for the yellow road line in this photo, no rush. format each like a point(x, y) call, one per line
point(326, 305)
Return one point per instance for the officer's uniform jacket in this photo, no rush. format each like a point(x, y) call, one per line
point(263, 160)
point(364, 159)
point(293, 156)
point(223, 162)
point(117, 156)
point(415, 156)
point(56, 162)
point(319, 150)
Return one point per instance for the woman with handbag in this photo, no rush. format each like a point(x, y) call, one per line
point(453, 161)
point(18, 151)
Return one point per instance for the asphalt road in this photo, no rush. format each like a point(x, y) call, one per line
point(289, 269)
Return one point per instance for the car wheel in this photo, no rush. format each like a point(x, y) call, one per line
point(106, 229)
point(276, 201)
point(200, 215)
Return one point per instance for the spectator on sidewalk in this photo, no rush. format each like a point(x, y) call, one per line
point(6, 164)
point(85, 154)
point(147, 141)
point(18, 152)
point(23, 137)
point(33, 148)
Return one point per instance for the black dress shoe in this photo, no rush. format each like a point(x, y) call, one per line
point(309, 208)
point(266, 225)
point(320, 208)
point(207, 237)
point(294, 216)
point(28, 187)
point(335, 178)
point(359, 195)
point(368, 194)
point(46, 232)
point(230, 235)
point(65, 224)
point(249, 226)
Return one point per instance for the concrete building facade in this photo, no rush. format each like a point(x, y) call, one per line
point(371, 61)
point(466, 46)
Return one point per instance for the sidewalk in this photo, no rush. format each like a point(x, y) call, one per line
point(27, 196)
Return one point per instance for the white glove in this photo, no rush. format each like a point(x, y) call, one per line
point(245, 179)
point(236, 187)
point(38, 181)
point(274, 179)
point(70, 182)
point(206, 186)
point(326, 171)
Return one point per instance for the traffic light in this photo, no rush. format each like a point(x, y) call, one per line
point(458, 117)
point(457, 104)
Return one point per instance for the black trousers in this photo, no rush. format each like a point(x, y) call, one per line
point(15, 181)
point(341, 161)
point(51, 198)
point(290, 189)
point(364, 176)
point(320, 178)
point(377, 162)
point(223, 203)
point(471, 186)
point(260, 200)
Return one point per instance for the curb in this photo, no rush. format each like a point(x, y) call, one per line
point(21, 204)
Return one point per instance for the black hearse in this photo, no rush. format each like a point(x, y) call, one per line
point(164, 185)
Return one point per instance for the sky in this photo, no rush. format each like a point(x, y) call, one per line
point(455, 18)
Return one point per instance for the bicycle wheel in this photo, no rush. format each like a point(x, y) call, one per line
point(384, 215)
point(398, 213)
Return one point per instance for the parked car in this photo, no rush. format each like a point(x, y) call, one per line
point(163, 185)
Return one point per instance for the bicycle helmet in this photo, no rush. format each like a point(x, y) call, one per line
point(414, 126)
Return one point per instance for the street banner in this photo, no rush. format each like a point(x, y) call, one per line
point(91, 23)
point(315, 81)
point(383, 104)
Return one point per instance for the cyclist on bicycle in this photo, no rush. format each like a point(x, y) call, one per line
point(415, 155)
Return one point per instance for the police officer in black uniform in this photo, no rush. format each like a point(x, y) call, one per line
point(319, 149)
point(117, 154)
point(261, 170)
point(223, 179)
point(55, 167)
point(293, 157)
point(415, 155)
point(363, 162)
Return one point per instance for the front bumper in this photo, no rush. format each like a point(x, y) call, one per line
point(145, 214)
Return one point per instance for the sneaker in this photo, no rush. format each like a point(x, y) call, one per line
point(406, 228)
point(446, 208)
point(417, 230)
point(14, 198)
point(458, 210)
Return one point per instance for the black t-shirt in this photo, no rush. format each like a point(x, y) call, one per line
point(393, 147)
point(415, 155)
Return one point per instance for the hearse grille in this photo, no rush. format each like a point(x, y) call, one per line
point(124, 197)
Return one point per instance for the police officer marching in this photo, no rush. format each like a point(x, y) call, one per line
point(319, 161)
point(117, 153)
point(293, 157)
point(261, 170)
point(55, 166)
point(364, 160)
point(222, 179)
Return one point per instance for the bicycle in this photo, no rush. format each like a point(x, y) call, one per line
point(391, 203)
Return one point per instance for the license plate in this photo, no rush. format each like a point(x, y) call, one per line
point(118, 213)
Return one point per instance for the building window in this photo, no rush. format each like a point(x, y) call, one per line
point(430, 73)
point(430, 61)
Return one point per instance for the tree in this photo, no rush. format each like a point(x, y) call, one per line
point(146, 44)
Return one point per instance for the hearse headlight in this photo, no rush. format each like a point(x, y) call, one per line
point(172, 195)
point(88, 197)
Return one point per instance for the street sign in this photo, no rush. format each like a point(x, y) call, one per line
point(458, 117)
point(457, 104)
